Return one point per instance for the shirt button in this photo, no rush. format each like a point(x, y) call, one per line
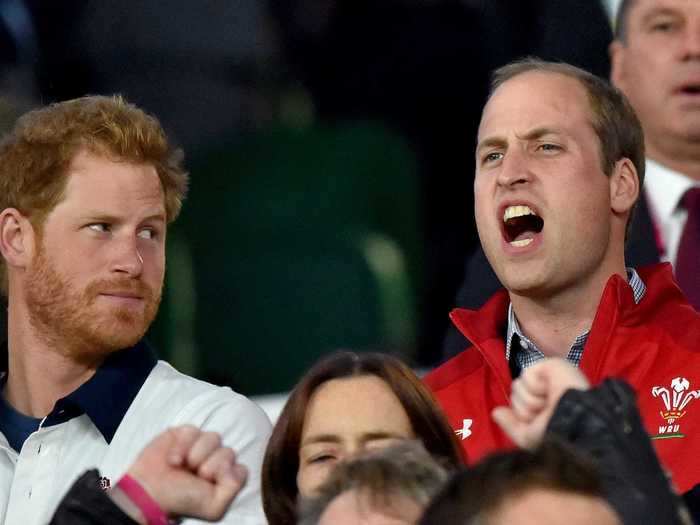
point(523, 344)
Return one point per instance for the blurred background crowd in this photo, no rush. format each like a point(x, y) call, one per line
point(330, 146)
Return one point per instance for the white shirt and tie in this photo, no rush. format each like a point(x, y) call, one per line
point(664, 189)
point(674, 202)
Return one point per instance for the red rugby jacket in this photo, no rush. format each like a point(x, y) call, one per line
point(654, 346)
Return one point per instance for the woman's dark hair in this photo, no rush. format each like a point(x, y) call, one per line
point(279, 473)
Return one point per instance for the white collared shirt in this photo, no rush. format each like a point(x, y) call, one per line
point(33, 481)
point(664, 189)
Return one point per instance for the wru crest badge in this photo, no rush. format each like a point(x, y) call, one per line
point(675, 400)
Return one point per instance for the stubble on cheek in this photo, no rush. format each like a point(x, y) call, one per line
point(74, 324)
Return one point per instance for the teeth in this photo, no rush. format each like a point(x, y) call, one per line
point(516, 211)
point(521, 243)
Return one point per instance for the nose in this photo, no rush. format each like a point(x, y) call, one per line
point(514, 169)
point(352, 450)
point(127, 257)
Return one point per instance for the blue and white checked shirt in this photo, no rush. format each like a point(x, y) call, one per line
point(526, 351)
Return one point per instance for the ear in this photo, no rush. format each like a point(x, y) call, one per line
point(16, 238)
point(617, 62)
point(624, 186)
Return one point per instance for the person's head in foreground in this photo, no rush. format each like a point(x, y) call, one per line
point(87, 188)
point(552, 485)
point(559, 166)
point(387, 487)
point(655, 61)
point(346, 404)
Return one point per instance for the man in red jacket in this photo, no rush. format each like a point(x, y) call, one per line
point(559, 168)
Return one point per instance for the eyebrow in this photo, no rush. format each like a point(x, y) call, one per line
point(333, 438)
point(160, 216)
point(491, 142)
point(108, 217)
point(658, 11)
point(538, 133)
point(533, 134)
point(321, 438)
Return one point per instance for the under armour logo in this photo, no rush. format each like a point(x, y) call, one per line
point(465, 431)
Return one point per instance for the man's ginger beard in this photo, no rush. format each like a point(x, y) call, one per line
point(70, 322)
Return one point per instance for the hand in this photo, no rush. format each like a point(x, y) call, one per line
point(534, 396)
point(189, 473)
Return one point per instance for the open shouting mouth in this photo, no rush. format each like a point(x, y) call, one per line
point(521, 224)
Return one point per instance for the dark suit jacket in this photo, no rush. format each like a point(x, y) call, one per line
point(480, 282)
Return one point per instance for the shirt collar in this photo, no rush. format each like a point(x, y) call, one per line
point(664, 190)
point(576, 351)
point(108, 394)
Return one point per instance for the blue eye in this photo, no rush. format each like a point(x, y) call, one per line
point(549, 147)
point(101, 227)
point(148, 233)
point(493, 157)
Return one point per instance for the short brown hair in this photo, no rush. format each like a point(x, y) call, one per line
point(36, 154)
point(613, 119)
point(473, 495)
point(279, 472)
point(404, 470)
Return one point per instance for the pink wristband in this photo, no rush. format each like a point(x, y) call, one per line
point(137, 494)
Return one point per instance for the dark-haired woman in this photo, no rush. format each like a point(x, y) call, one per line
point(345, 404)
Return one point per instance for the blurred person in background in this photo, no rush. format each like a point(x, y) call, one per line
point(87, 190)
point(552, 485)
point(656, 64)
point(346, 404)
